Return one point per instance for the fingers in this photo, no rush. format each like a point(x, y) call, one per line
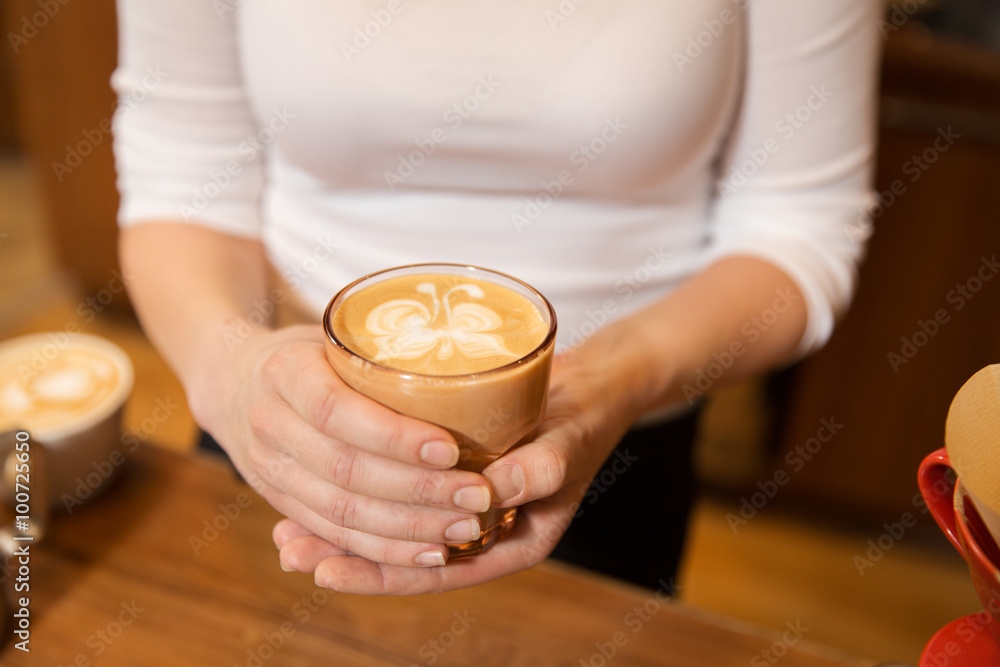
point(347, 573)
point(301, 376)
point(371, 547)
point(344, 467)
point(539, 526)
point(384, 518)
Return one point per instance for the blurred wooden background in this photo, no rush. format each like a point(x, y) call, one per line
point(59, 75)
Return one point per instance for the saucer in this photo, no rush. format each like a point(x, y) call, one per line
point(965, 642)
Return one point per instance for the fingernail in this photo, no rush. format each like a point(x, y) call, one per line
point(472, 498)
point(430, 558)
point(285, 569)
point(465, 530)
point(439, 453)
point(507, 481)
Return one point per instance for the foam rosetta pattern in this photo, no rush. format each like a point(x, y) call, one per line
point(408, 329)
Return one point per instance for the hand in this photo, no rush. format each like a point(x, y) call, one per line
point(366, 479)
point(546, 478)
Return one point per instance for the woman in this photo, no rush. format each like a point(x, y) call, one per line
point(666, 173)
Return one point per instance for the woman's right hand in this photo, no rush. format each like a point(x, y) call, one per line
point(365, 478)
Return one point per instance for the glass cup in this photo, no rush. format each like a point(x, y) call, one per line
point(488, 412)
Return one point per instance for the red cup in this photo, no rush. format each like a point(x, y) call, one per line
point(956, 515)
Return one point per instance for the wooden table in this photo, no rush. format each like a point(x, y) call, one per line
point(141, 576)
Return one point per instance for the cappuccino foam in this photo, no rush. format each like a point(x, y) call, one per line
point(51, 389)
point(439, 324)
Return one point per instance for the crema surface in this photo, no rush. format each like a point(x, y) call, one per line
point(39, 393)
point(439, 324)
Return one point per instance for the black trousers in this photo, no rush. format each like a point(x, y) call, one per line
point(633, 520)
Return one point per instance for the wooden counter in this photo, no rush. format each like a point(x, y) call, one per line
point(175, 566)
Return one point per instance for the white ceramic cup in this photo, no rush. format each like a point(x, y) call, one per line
point(62, 394)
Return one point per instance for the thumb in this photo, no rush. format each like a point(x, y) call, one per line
point(533, 471)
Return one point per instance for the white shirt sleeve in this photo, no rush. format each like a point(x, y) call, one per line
point(184, 133)
point(796, 175)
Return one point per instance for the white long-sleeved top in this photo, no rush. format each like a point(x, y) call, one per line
point(601, 150)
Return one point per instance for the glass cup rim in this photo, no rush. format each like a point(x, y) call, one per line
point(457, 269)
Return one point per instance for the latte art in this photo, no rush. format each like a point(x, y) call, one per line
point(439, 324)
point(48, 388)
point(407, 329)
point(77, 380)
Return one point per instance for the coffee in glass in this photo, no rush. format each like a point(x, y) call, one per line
point(462, 347)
